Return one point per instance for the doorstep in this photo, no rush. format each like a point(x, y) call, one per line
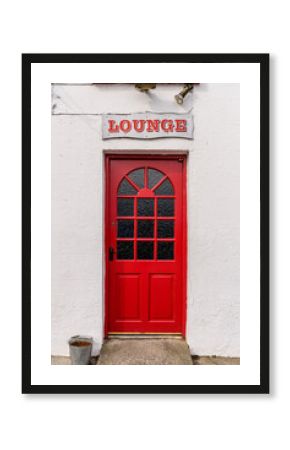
point(145, 352)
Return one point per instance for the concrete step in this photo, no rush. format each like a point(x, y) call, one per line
point(145, 352)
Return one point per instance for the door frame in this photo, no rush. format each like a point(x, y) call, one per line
point(179, 156)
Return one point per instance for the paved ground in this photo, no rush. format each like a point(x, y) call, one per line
point(214, 360)
point(65, 361)
point(149, 352)
point(145, 352)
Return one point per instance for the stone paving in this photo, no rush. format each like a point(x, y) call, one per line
point(148, 352)
point(65, 360)
point(215, 360)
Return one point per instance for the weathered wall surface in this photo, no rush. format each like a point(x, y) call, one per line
point(213, 208)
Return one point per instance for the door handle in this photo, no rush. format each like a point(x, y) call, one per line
point(111, 254)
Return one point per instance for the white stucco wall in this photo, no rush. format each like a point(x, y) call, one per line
point(213, 208)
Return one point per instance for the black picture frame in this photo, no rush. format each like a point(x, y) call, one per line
point(263, 61)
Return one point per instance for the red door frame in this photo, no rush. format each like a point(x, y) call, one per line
point(182, 158)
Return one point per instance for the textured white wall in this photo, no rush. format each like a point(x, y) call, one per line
point(213, 208)
point(214, 221)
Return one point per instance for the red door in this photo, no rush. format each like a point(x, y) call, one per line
point(145, 240)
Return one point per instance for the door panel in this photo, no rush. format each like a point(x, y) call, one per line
point(161, 297)
point(127, 297)
point(145, 229)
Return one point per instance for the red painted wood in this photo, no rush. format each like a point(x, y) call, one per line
point(146, 295)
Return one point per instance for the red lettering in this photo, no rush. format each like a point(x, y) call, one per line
point(167, 125)
point(139, 125)
point(180, 125)
point(125, 125)
point(152, 125)
point(113, 128)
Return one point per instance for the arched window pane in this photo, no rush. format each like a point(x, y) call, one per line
point(126, 188)
point(165, 188)
point(153, 177)
point(137, 176)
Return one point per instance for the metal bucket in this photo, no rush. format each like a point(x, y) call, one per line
point(80, 350)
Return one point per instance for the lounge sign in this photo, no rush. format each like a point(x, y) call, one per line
point(147, 126)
